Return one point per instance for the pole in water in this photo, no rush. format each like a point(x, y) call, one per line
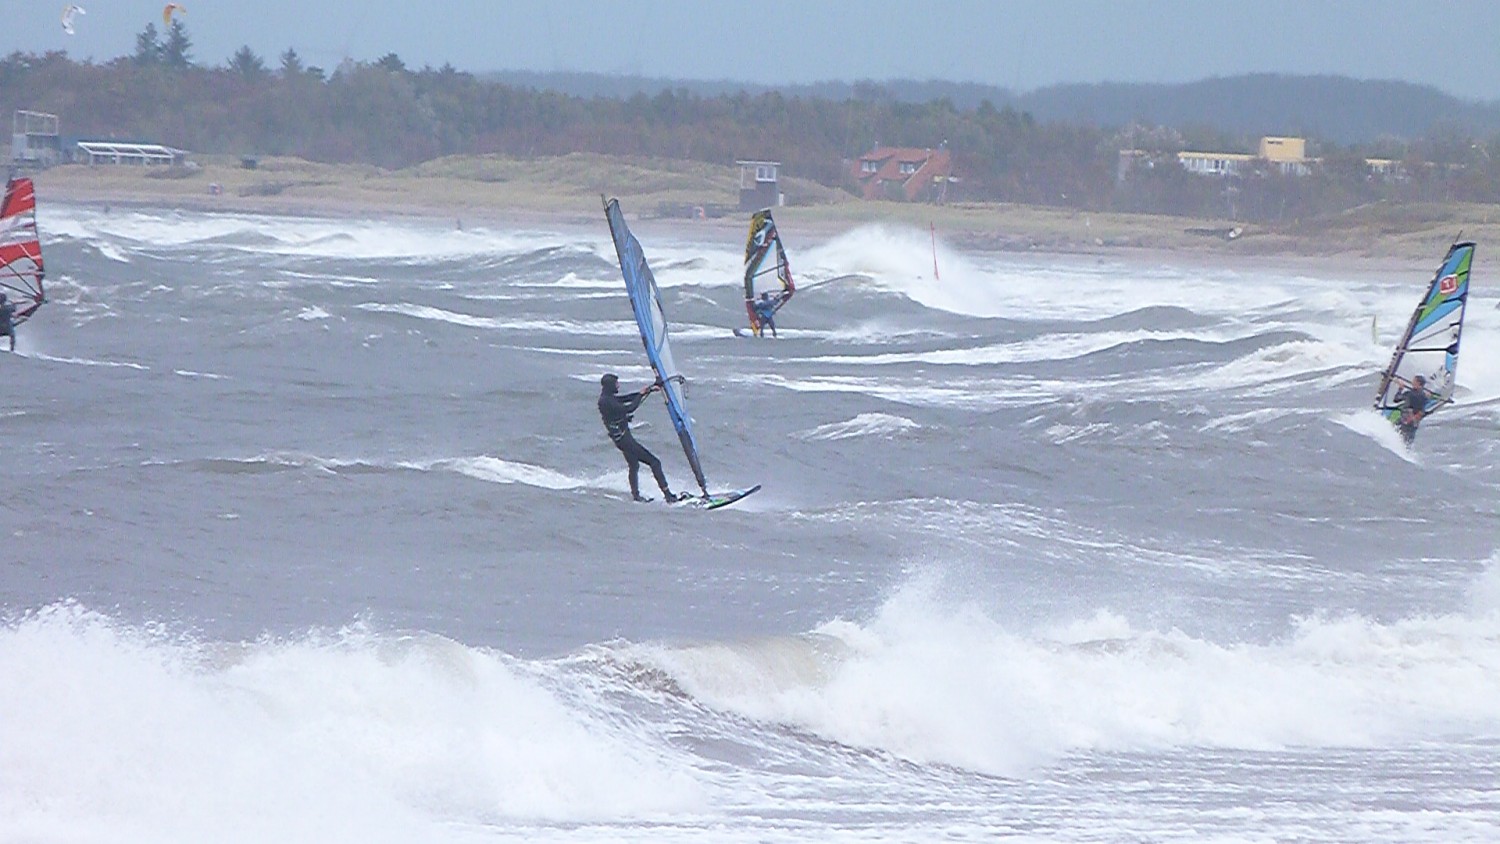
point(932, 227)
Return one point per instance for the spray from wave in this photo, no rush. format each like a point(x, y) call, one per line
point(941, 681)
point(127, 734)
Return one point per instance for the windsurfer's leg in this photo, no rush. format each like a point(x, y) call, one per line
point(635, 475)
point(627, 446)
point(661, 479)
point(637, 454)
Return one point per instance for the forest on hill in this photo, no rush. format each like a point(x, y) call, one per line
point(387, 114)
point(1332, 108)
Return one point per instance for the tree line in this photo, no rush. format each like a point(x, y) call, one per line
point(387, 114)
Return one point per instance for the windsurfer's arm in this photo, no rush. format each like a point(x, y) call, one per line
point(624, 405)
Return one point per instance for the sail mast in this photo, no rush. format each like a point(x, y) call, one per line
point(645, 302)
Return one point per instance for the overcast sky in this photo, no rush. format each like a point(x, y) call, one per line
point(1450, 44)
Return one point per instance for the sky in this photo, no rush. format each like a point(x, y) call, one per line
point(1017, 44)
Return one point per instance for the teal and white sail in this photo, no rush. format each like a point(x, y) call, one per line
point(766, 268)
point(1429, 346)
point(645, 300)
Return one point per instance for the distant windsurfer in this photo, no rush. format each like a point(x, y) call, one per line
point(1413, 404)
point(765, 312)
point(615, 410)
point(7, 320)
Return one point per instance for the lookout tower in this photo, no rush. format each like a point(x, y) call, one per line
point(34, 140)
point(758, 187)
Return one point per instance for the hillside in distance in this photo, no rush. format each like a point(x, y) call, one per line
point(1333, 108)
point(1330, 108)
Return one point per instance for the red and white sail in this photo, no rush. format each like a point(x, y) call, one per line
point(21, 270)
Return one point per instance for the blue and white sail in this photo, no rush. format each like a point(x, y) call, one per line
point(1429, 346)
point(645, 299)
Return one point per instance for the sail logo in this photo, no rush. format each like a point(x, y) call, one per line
point(1448, 283)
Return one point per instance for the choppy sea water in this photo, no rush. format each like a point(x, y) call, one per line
point(312, 534)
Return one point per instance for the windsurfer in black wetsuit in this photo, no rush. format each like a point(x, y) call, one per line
point(7, 320)
point(615, 410)
point(1413, 404)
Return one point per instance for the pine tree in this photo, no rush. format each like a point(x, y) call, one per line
point(247, 64)
point(176, 52)
point(147, 47)
point(291, 64)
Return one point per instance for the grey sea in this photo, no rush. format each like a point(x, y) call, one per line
point(311, 533)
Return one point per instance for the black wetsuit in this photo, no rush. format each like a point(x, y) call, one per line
point(7, 323)
point(615, 410)
point(1413, 407)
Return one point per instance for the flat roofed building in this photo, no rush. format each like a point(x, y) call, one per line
point(1277, 149)
point(1216, 163)
point(1287, 155)
point(114, 152)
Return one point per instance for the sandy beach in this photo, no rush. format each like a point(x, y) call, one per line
point(564, 190)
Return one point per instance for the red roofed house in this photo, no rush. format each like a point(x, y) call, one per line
point(906, 173)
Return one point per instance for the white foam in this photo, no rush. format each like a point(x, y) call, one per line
point(879, 331)
point(491, 469)
point(501, 471)
point(936, 680)
point(116, 734)
point(1370, 423)
point(110, 251)
point(900, 260)
point(329, 279)
point(1044, 348)
point(1295, 366)
point(914, 392)
point(571, 281)
point(1484, 594)
point(863, 425)
point(675, 264)
point(410, 241)
point(427, 312)
point(603, 328)
point(124, 364)
point(1240, 422)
